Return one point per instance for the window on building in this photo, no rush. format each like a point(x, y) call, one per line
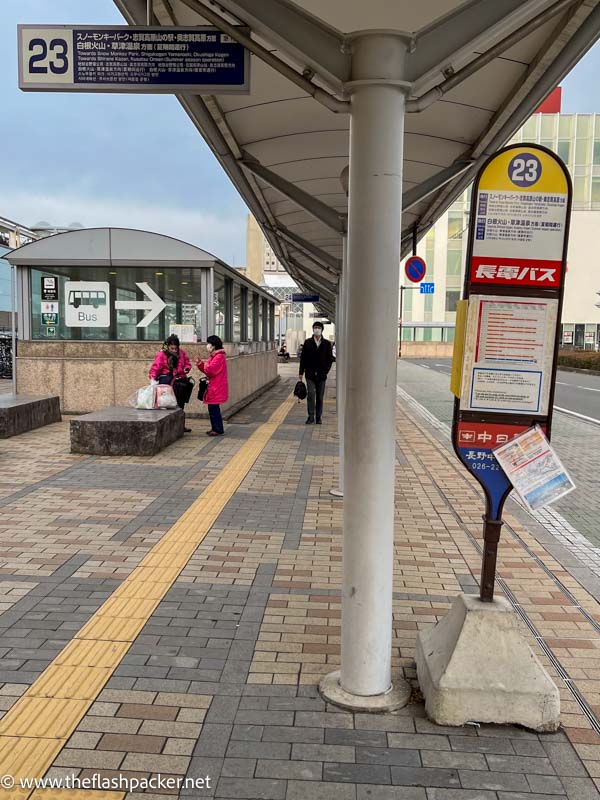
point(407, 303)
point(564, 150)
point(250, 307)
point(530, 129)
point(565, 126)
point(454, 262)
point(260, 323)
point(455, 224)
point(255, 317)
point(581, 189)
point(244, 313)
point(596, 153)
point(428, 304)
point(584, 126)
point(179, 288)
point(596, 190)
point(237, 313)
point(219, 303)
point(582, 151)
point(548, 126)
point(430, 250)
point(452, 299)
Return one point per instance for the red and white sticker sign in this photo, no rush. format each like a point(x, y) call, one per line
point(487, 435)
point(516, 271)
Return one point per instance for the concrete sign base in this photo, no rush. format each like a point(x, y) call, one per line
point(476, 666)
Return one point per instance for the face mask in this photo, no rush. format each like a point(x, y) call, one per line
point(317, 333)
point(210, 348)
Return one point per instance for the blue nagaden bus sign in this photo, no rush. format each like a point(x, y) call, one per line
point(128, 59)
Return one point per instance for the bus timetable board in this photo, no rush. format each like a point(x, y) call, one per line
point(101, 58)
point(514, 284)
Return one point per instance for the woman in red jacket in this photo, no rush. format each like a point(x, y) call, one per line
point(169, 364)
point(215, 369)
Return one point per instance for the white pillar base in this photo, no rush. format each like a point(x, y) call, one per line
point(397, 696)
point(476, 666)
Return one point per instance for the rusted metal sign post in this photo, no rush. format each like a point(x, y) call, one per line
point(508, 325)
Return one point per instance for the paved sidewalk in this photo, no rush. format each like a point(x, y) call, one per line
point(198, 592)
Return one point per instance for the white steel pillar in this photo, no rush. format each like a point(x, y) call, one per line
point(340, 367)
point(375, 207)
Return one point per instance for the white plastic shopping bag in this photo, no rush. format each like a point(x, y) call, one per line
point(144, 397)
point(165, 397)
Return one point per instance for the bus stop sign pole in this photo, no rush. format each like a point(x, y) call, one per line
point(504, 369)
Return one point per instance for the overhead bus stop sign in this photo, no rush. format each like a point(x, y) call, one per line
point(504, 369)
point(146, 60)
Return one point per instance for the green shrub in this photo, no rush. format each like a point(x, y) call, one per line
point(581, 359)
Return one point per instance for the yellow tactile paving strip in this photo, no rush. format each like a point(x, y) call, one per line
point(37, 727)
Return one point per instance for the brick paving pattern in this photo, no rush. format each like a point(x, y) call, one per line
point(222, 678)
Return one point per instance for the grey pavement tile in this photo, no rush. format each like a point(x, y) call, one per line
point(564, 759)
point(290, 770)
point(388, 756)
point(277, 750)
point(266, 718)
point(464, 794)
point(481, 744)
point(545, 784)
point(324, 752)
point(316, 719)
point(426, 777)
point(213, 741)
point(251, 733)
point(528, 796)
point(356, 738)
point(384, 722)
point(240, 768)
point(255, 788)
point(427, 726)
point(287, 733)
point(222, 709)
point(371, 792)
point(529, 766)
point(581, 789)
point(356, 773)
point(317, 790)
point(451, 760)
point(422, 741)
point(494, 781)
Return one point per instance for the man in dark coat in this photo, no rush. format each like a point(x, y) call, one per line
point(315, 363)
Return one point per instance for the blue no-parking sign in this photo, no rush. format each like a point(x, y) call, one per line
point(415, 269)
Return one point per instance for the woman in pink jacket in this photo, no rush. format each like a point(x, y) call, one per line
point(170, 364)
point(215, 369)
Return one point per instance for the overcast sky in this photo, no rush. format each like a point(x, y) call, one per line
point(127, 160)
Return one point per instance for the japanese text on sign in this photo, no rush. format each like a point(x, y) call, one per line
point(131, 59)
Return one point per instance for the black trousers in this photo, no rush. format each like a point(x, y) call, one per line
point(216, 420)
point(316, 392)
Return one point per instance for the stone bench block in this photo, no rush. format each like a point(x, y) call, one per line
point(20, 413)
point(123, 431)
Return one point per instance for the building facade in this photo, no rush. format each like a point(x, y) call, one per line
point(293, 320)
point(576, 139)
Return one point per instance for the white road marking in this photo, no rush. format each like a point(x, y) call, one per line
point(562, 383)
point(575, 414)
point(443, 366)
point(588, 388)
point(424, 365)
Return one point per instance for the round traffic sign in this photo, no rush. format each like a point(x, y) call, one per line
point(415, 269)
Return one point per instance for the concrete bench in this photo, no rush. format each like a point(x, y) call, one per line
point(124, 431)
point(20, 413)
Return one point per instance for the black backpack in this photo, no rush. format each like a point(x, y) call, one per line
point(300, 390)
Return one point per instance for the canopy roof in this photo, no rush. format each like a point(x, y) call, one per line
point(477, 70)
point(120, 247)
